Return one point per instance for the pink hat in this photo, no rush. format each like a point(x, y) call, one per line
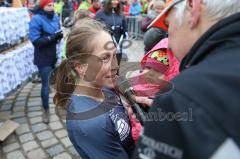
point(157, 58)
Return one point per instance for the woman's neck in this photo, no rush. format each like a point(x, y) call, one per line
point(90, 91)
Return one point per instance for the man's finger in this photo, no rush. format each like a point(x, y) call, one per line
point(144, 100)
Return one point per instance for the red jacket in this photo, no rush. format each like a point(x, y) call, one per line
point(93, 10)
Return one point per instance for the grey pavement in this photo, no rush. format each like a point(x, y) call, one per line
point(34, 139)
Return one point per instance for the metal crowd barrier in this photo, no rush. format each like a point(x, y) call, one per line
point(134, 27)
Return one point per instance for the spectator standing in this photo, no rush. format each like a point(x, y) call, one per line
point(45, 33)
point(154, 9)
point(135, 8)
point(111, 15)
point(85, 4)
point(67, 10)
point(125, 7)
point(75, 5)
point(96, 5)
point(58, 5)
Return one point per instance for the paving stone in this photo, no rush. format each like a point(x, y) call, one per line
point(44, 135)
point(30, 146)
point(22, 97)
point(51, 105)
point(23, 128)
point(73, 151)
point(35, 108)
point(9, 112)
point(35, 103)
point(37, 154)
point(52, 110)
point(34, 114)
point(34, 99)
point(29, 85)
point(15, 155)
point(38, 85)
point(21, 120)
point(54, 118)
point(36, 119)
point(50, 101)
point(55, 125)
point(49, 142)
point(6, 107)
point(61, 133)
point(35, 93)
point(39, 127)
point(55, 150)
point(64, 155)
point(10, 147)
point(36, 90)
point(66, 142)
point(8, 101)
point(23, 94)
point(26, 90)
point(51, 95)
point(18, 114)
point(19, 109)
point(10, 98)
point(20, 103)
point(26, 137)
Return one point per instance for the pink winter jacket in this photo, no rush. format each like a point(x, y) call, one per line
point(142, 88)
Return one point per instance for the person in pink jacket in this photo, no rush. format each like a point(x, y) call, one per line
point(158, 67)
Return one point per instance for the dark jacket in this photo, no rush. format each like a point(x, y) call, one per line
point(40, 29)
point(67, 10)
point(116, 23)
point(208, 90)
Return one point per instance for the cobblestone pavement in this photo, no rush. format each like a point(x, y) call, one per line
point(34, 139)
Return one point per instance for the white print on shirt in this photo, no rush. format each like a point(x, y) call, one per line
point(152, 146)
point(122, 129)
point(121, 126)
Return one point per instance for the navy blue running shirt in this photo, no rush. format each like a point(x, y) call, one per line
point(99, 130)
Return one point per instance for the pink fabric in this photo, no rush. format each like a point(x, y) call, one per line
point(173, 70)
point(136, 128)
point(142, 88)
point(173, 62)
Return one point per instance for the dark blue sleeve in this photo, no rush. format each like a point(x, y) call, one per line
point(44, 40)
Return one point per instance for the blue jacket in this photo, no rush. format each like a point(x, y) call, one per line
point(41, 28)
point(135, 9)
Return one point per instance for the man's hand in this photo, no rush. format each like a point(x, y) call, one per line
point(143, 100)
